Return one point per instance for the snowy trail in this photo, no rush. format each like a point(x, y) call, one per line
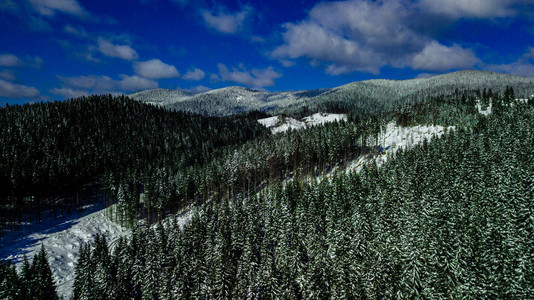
point(61, 238)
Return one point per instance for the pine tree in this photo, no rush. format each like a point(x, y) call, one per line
point(84, 287)
point(43, 281)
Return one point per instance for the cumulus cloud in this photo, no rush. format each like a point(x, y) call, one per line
point(94, 82)
point(121, 51)
point(9, 60)
point(437, 57)
point(51, 7)
point(472, 8)
point(69, 92)
point(195, 74)
point(13, 90)
point(7, 75)
point(366, 35)
point(255, 78)
point(136, 83)
point(101, 84)
point(155, 69)
point(524, 66)
point(226, 22)
point(351, 36)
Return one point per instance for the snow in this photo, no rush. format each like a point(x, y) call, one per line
point(62, 239)
point(181, 219)
point(269, 122)
point(321, 118)
point(486, 111)
point(279, 124)
point(289, 123)
point(395, 137)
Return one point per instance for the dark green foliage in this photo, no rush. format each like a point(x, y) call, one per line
point(48, 151)
point(33, 282)
point(451, 218)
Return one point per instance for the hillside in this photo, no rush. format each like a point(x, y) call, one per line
point(377, 94)
point(50, 151)
point(314, 194)
point(450, 218)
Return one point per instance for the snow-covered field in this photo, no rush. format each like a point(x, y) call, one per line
point(282, 124)
point(61, 238)
point(395, 137)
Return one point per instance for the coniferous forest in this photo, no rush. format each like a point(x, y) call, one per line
point(402, 230)
point(49, 151)
point(277, 216)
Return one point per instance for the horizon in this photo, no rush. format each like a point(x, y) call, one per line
point(61, 49)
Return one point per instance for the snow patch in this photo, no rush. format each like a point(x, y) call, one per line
point(321, 118)
point(485, 112)
point(269, 122)
point(62, 239)
point(395, 137)
point(279, 124)
point(287, 124)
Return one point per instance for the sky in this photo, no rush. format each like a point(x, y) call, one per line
point(59, 49)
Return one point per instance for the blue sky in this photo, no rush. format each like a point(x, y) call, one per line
point(58, 49)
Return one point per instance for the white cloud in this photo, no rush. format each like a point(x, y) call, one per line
point(155, 69)
point(197, 89)
point(121, 51)
point(13, 90)
point(255, 78)
point(76, 31)
point(471, 8)
point(524, 66)
point(437, 57)
point(136, 83)
point(515, 68)
point(70, 92)
point(317, 43)
point(7, 75)
point(101, 84)
point(226, 22)
point(351, 36)
point(9, 60)
point(214, 77)
point(195, 74)
point(51, 7)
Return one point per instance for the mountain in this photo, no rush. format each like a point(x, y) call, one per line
point(368, 94)
point(227, 101)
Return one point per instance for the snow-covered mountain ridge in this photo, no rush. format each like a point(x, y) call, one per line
point(232, 100)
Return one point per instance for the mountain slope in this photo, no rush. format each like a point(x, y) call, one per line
point(374, 94)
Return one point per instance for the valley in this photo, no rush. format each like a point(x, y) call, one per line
point(297, 194)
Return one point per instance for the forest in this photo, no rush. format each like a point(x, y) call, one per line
point(50, 151)
point(448, 218)
point(401, 230)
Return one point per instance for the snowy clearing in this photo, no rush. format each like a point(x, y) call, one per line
point(282, 124)
point(485, 112)
point(321, 118)
point(61, 238)
point(395, 137)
